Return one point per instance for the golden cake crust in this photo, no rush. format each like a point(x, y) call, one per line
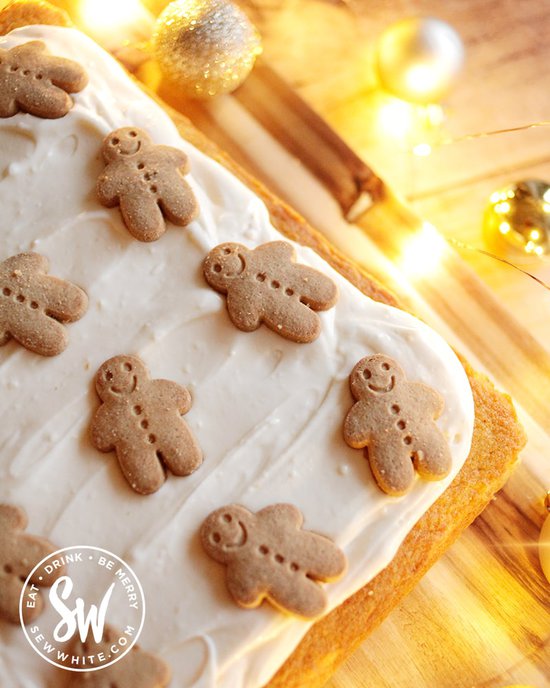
point(497, 438)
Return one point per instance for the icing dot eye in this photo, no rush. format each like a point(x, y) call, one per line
point(263, 549)
point(152, 439)
point(216, 537)
point(407, 440)
point(401, 425)
point(294, 567)
point(279, 559)
point(115, 141)
point(137, 410)
point(127, 367)
point(144, 424)
point(217, 267)
point(385, 366)
point(6, 291)
point(34, 305)
point(141, 166)
point(227, 518)
point(226, 251)
point(395, 408)
point(367, 374)
point(275, 284)
point(260, 277)
point(289, 292)
point(20, 298)
point(109, 375)
point(133, 134)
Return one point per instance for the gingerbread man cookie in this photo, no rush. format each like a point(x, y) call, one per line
point(19, 554)
point(33, 304)
point(269, 556)
point(137, 669)
point(141, 420)
point(394, 419)
point(265, 285)
point(147, 182)
point(36, 82)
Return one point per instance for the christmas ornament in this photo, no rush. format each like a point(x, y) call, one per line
point(544, 541)
point(419, 59)
point(205, 47)
point(519, 216)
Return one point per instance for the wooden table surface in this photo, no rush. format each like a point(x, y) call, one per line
point(481, 617)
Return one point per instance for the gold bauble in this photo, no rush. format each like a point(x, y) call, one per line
point(518, 217)
point(418, 59)
point(205, 47)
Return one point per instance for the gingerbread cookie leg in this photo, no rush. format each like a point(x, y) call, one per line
point(392, 468)
point(431, 457)
point(142, 468)
point(183, 455)
point(42, 336)
point(179, 204)
point(142, 216)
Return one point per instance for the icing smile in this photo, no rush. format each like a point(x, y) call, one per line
point(387, 388)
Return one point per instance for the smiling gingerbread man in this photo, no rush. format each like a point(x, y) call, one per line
point(394, 419)
point(141, 420)
point(146, 181)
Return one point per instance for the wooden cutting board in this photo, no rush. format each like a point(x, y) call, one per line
point(481, 617)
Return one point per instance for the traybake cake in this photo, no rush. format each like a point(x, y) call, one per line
point(268, 413)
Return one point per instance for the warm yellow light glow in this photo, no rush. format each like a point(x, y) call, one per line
point(422, 254)
point(546, 207)
point(510, 193)
point(498, 196)
point(435, 114)
point(546, 195)
point(422, 79)
point(539, 250)
point(534, 234)
point(396, 117)
point(504, 227)
point(422, 150)
point(530, 247)
point(503, 207)
point(108, 14)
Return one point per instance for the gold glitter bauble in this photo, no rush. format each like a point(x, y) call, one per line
point(518, 216)
point(205, 47)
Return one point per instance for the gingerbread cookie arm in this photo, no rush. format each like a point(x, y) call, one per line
point(280, 251)
point(12, 517)
point(176, 156)
point(142, 216)
point(358, 426)
point(169, 392)
point(427, 398)
point(102, 430)
point(276, 516)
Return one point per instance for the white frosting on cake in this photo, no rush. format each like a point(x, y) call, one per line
point(268, 413)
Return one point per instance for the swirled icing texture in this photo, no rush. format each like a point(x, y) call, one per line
point(268, 413)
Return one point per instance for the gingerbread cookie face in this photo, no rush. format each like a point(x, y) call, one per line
point(140, 419)
point(395, 420)
point(33, 81)
point(138, 669)
point(269, 556)
point(147, 182)
point(19, 554)
point(266, 285)
point(34, 305)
